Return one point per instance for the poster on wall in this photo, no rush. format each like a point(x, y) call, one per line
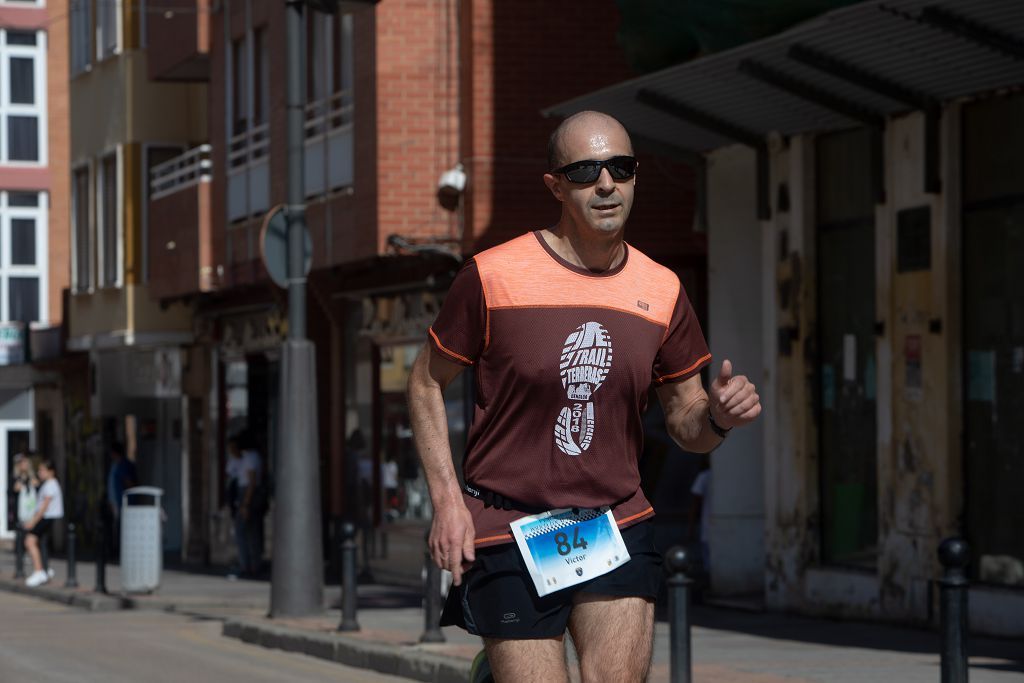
point(12, 343)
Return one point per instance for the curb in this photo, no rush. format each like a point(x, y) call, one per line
point(94, 602)
point(396, 660)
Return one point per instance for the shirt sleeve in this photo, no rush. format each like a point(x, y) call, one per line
point(684, 351)
point(460, 331)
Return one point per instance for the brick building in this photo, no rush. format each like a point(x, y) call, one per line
point(397, 94)
point(34, 196)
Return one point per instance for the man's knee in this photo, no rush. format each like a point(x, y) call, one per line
point(31, 540)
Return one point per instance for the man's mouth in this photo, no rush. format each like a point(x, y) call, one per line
point(605, 207)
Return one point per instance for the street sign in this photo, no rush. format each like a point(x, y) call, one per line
point(274, 246)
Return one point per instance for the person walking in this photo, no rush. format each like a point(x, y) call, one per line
point(25, 485)
point(568, 328)
point(49, 509)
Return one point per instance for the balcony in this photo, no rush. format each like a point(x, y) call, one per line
point(178, 41)
point(328, 131)
point(249, 173)
point(180, 239)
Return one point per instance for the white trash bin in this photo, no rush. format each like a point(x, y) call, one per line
point(142, 554)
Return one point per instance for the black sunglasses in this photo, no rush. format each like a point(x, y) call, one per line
point(589, 170)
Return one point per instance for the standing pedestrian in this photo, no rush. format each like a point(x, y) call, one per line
point(568, 328)
point(244, 473)
point(49, 509)
point(120, 477)
point(25, 485)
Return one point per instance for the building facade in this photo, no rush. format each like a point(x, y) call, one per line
point(864, 222)
point(397, 95)
point(34, 196)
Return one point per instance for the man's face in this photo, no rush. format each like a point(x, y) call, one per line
point(602, 206)
point(23, 466)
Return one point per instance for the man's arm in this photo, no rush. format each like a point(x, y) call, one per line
point(733, 403)
point(452, 533)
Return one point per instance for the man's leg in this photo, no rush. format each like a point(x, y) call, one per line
point(613, 637)
point(541, 659)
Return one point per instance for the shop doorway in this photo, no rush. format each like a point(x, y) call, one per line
point(993, 337)
point(15, 437)
point(847, 368)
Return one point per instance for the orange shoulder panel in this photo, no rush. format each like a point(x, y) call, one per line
point(521, 274)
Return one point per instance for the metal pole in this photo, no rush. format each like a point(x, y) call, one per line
point(101, 551)
point(677, 561)
point(349, 594)
point(431, 601)
point(297, 585)
point(72, 580)
point(954, 556)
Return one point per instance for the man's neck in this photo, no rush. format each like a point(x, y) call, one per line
point(594, 254)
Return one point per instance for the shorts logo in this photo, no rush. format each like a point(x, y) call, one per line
point(509, 618)
point(585, 362)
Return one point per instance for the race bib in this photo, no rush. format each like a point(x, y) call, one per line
point(566, 547)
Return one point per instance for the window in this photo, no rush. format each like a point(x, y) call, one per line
point(261, 77)
point(239, 90)
point(81, 195)
point(22, 245)
point(107, 222)
point(22, 73)
point(81, 36)
point(106, 28)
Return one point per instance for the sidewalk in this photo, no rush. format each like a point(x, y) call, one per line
point(728, 645)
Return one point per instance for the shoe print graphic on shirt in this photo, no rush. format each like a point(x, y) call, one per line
point(586, 360)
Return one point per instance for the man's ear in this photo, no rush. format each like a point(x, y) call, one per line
point(553, 185)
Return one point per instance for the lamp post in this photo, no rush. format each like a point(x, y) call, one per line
point(297, 585)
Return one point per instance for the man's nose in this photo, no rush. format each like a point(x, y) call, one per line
point(605, 183)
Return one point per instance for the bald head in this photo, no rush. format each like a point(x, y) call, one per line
point(585, 123)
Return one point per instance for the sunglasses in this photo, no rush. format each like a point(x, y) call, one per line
point(589, 170)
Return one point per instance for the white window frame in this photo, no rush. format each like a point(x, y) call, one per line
point(37, 109)
point(101, 219)
point(40, 271)
point(77, 286)
point(5, 467)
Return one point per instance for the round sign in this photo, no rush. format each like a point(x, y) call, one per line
point(274, 246)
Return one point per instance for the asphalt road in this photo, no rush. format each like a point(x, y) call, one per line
point(42, 642)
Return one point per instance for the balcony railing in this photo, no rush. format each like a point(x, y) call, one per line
point(329, 144)
point(181, 172)
point(248, 147)
point(328, 114)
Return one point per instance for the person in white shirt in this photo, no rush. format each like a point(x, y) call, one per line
point(49, 508)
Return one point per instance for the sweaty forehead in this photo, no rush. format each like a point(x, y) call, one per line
point(594, 139)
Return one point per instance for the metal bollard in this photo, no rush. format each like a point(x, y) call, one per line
point(349, 594)
point(431, 601)
point(954, 556)
point(678, 563)
point(72, 580)
point(101, 555)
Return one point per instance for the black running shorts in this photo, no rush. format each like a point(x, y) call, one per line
point(497, 598)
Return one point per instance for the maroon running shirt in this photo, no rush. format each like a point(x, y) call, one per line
point(564, 361)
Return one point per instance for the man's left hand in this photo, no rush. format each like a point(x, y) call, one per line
point(734, 400)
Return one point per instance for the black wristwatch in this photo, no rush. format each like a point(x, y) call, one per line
point(716, 428)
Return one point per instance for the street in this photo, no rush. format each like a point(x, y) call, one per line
point(43, 641)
